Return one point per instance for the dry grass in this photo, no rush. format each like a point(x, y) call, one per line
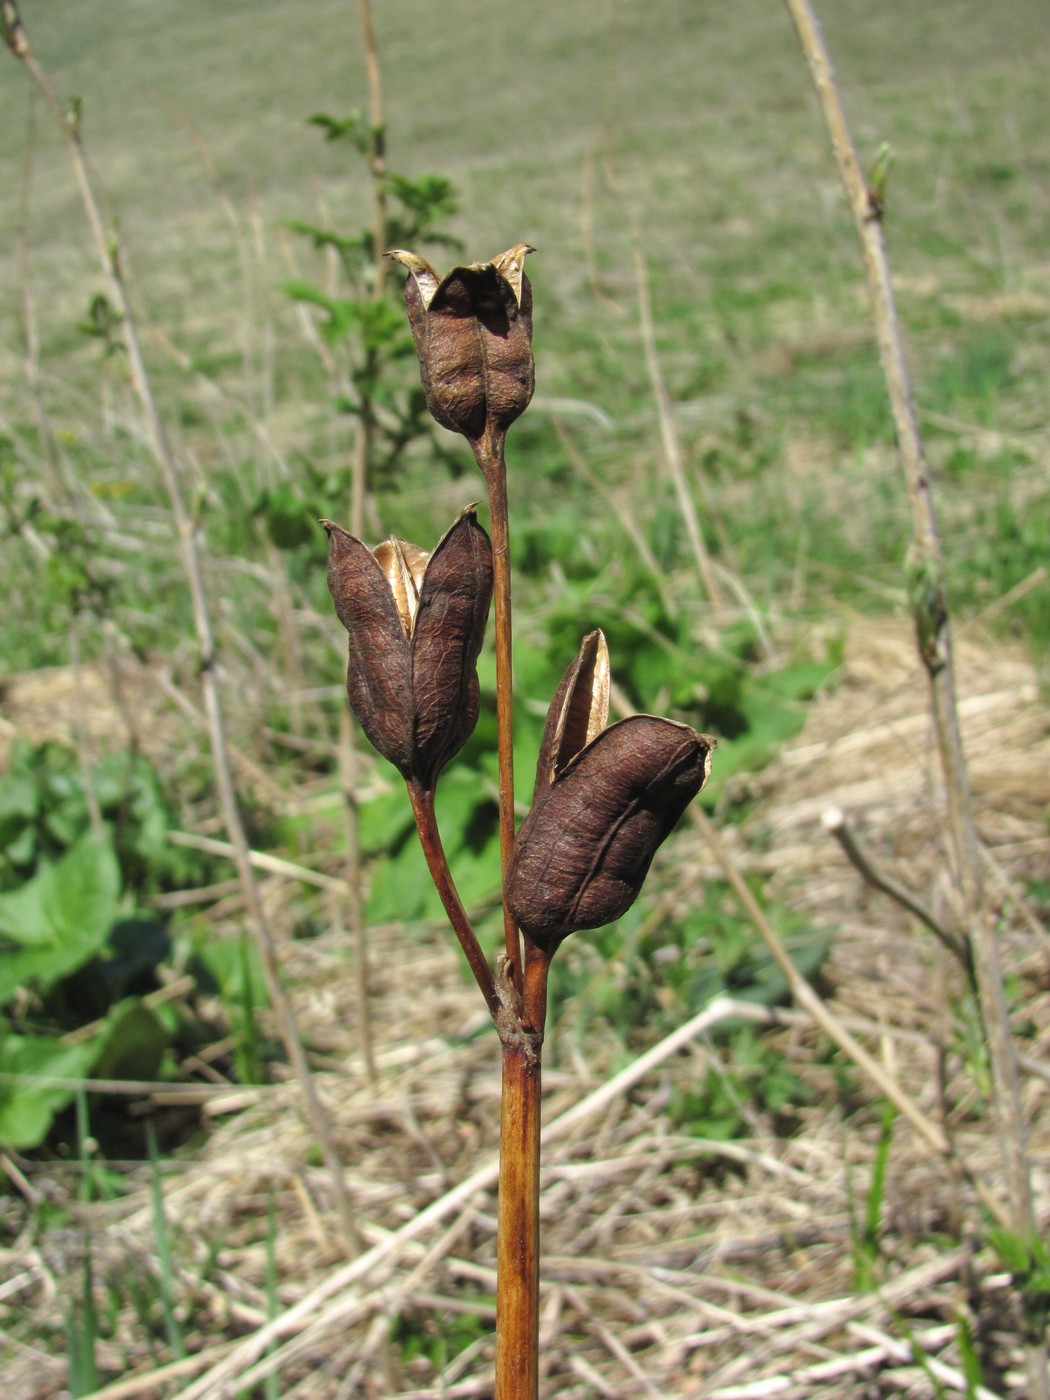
point(673, 1266)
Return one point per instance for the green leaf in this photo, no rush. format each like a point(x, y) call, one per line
point(60, 918)
point(355, 246)
point(971, 1361)
point(1011, 1248)
point(290, 521)
point(19, 804)
point(401, 888)
point(386, 820)
point(27, 1105)
point(353, 128)
point(131, 1044)
point(235, 965)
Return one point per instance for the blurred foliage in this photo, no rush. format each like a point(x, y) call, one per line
point(785, 431)
point(655, 968)
point(364, 323)
point(752, 1078)
point(80, 857)
point(438, 1336)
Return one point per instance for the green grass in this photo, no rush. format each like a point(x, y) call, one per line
point(719, 162)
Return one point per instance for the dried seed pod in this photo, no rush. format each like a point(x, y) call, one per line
point(416, 623)
point(473, 334)
point(605, 798)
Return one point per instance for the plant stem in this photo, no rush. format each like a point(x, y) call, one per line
point(809, 1001)
point(518, 1241)
point(192, 564)
point(422, 800)
point(930, 610)
point(522, 993)
point(377, 155)
point(835, 823)
point(491, 460)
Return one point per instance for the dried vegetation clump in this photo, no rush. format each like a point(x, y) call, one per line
point(674, 1266)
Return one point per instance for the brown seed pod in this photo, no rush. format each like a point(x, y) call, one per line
point(605, 799)
point(473, 334)
point(416, 623)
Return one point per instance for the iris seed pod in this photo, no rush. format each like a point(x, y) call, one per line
point(416, 623)
point(606, 797)
point(473, 334)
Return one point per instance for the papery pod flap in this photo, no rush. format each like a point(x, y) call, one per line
point(511, 266)
point(404, 565)
point(378, 679)
point(579, 711)
point(425, 279)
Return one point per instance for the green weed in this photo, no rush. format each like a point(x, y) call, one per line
point(866, 1228)
point(438, 1337)
point(77, 949)
point(162, 1247)
point(753, 1078)
point(648, 973)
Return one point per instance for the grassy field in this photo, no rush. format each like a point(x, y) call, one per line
point(695, 136)
point(755, 1186)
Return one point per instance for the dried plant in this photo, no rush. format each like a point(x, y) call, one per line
point(974, 937)
point(606, 795)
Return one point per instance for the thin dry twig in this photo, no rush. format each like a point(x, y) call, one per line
point(808, 999)
point(669, 433)
point(260, 860)
point(835, 823)
point(930, 610)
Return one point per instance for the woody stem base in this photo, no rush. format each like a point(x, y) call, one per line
point(518, 1239)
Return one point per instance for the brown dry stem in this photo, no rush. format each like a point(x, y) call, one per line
point(933, 632)
point(860, 858)
point(518, 1241)
point(934, 650)
point(422, 799)
point(491, 460)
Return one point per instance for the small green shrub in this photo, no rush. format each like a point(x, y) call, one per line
point(754, 1077)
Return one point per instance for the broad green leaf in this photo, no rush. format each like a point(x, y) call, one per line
point(131, 1043)
point(401, 888)
point(60, 918)
point(19, 803)
point(386, 820)
point(28, 1101)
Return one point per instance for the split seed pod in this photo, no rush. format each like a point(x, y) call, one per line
point(606, 797)
point(473, 334)
point(416, 623)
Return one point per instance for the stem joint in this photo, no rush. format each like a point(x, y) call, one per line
point(510, 1017)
